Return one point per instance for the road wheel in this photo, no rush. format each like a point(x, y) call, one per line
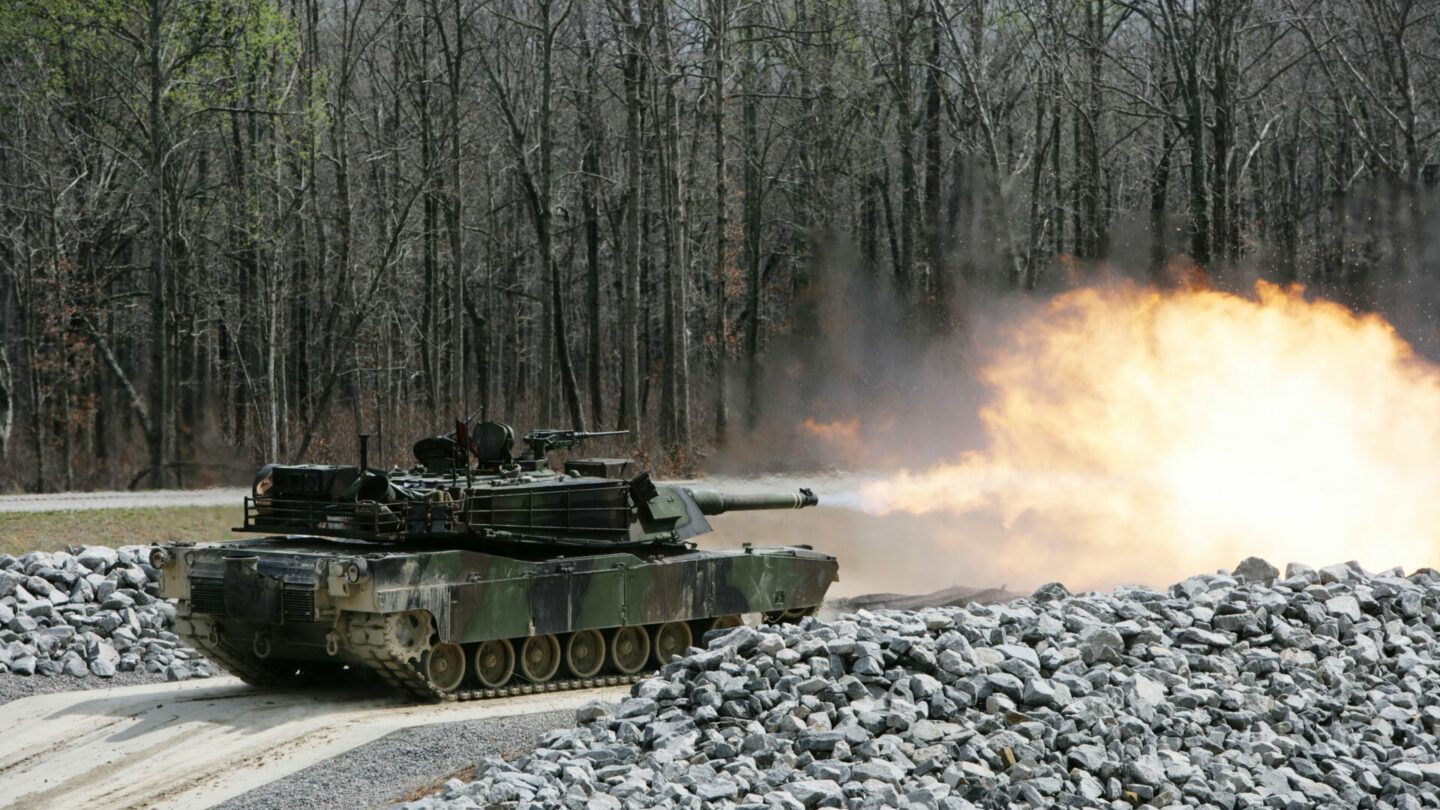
point(724, 623)
point(494, 663)
point(585, 653)
point(788, 616)
point(540, 658)
point(629, 648)
point(445, 666)
point(671, 639)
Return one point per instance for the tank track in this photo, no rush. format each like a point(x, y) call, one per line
point(367, 639)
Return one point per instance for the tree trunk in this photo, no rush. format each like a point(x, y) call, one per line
point(630, 295)
point(589, 209)
point(754, 201)
point(930, 133)
point(454, 212)
point(1159, 201)
point(718, 32)
point(7, 396)
point(160, 314)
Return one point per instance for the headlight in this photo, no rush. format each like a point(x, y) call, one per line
point(160, 557)
point(264, 481)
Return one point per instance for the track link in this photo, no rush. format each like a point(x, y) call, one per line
point(368, 640)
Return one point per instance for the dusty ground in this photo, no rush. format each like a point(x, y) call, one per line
point(197, 744)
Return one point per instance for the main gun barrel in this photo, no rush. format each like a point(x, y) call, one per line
point(714, 503)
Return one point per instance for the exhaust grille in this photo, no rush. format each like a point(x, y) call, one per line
point(298, 603)
point(207, 596)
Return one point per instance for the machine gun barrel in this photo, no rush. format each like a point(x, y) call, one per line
point(541, 442)
point(714, 503)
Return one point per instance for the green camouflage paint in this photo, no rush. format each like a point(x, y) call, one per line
point(502, 551)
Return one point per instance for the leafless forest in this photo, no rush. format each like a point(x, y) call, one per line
point(242, 229)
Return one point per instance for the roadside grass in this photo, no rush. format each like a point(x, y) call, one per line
point(53, 531)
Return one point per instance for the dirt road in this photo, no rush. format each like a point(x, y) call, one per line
point(199, 743)
point(75, 501)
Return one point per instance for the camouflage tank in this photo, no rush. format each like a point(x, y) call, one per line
point(477, 574)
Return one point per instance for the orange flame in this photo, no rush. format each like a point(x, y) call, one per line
point(841, 430)
point(1141, 434)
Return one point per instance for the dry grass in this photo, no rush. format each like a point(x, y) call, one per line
point(51, 531)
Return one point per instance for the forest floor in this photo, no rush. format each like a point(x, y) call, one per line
point(52, 531)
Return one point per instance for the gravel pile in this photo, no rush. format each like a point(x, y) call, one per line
point(91, 611)
point(1318, 689)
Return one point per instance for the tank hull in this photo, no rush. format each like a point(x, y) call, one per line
point(277, 608)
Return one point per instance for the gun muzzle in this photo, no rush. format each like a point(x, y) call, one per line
point(715, 503)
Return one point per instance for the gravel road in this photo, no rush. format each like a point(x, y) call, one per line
point(383, 772)
point(77, 501)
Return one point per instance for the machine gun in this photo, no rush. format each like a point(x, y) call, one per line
point(543, 441)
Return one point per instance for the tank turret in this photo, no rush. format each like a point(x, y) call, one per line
point(460, 493)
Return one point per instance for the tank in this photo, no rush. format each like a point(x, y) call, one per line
point(477, 573)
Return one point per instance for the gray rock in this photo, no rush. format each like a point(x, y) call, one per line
point(717, 790)
point(1100, 644)
point(816, 793)
point(23, 665)
point(1020, 652)
point(635, 707)
point(99, 559)
point(8, 583)
point(104, 668)
point(105, 661)
point(879, 769)
point(1254, 569)
point(24, 625)
point(1041, 692)
point(1343, 606)
point(926, 732)
point(1089, 758)
point(1050, 592)
point(591, 711)
point(73, 664)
